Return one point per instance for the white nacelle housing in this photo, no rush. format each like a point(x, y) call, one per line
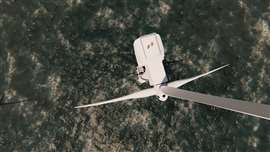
point(149, 53)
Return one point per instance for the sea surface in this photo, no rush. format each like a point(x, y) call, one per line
point(57, 54)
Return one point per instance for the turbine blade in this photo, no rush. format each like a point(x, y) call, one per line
point(178, 83)
point(136, 95)
point(249, 108)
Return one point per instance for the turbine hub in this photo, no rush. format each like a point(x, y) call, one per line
point(162, 97)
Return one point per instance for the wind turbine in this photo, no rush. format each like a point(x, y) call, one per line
point(149, 52)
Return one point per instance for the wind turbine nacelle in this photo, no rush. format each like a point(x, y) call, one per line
point(149, 53)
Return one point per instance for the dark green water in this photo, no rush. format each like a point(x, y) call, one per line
point(55, 55)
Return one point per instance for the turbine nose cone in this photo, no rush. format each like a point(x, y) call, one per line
point(162, 97)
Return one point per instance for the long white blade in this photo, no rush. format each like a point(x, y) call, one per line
point(178, 83)
point(136, 95)
point(245, 107)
